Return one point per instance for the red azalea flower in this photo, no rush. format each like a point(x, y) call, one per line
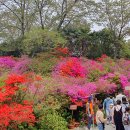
point(14, 78)
point(11, 110)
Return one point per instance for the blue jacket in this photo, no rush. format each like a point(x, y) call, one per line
point(107, 102)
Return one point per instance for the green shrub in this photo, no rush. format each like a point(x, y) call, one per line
point(43, 67)
point(43, 63)
point(2, 78)
point(38, 40)
point(125, 52)
point(53, 122)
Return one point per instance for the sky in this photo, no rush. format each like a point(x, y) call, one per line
point(96, 27)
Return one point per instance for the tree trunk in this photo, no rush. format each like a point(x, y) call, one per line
point(41, 20)
point(23, 18)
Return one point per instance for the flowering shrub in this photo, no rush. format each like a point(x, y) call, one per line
point(64, 51)
point(71, 67)
point(14, 78)
point(72, 81)
point(106, 86)
point(94, 69)
point(35, 84)
point(22, 65)
point(108, 75)
point(8, 62)
point(118, 79)
point(15, 114)
point(13, 108)
point(13, 65)
point(81, 92)
point(123, 81)
point(102, 58)
point(122, 66)
point(93, 65)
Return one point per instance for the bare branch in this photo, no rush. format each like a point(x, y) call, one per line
point(11, 11)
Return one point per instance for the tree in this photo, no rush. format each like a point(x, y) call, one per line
point(66, 12)
point(44, 9)
point(65, 9)
point(115, 15)
point(78, 38)
point(19, 16)
point(101, 42)
point(125, 52)
point(19, 13)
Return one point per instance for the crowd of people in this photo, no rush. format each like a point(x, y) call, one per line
point(116, 111)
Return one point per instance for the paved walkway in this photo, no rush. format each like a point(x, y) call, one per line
point(107, 127)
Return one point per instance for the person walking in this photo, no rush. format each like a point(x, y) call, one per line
point(90, 112)
point(106, 105)
point(100, 120)
point(117, 116)
point(111, 109)
point(120, 96)
point(124, 104)
point(126, 118)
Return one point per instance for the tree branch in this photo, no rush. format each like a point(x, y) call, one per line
point(11, 11)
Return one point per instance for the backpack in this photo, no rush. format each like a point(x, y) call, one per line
point(126, 119)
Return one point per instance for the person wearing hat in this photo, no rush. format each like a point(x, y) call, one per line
point(106, 106)
point(111, 110)
point(90, 112)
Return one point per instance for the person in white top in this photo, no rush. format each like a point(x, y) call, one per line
point(120, 96)
point(124, 104)
point(111, 112)
point(100, 120)
point(126, 118)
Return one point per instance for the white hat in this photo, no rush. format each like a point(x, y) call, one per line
point(111, 104)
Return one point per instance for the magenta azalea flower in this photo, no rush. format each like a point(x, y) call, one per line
point(81, 92)
point(123, 81)
point(7, 62)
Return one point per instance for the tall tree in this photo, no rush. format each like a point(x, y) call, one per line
point(43, 8)
point(115, 15)
point(66, 12)
point(21, 12)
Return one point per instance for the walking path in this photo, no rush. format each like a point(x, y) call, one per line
point(107, 127)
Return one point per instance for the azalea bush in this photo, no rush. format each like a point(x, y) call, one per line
point(119, 79)
point(14, 109)
point(81, 92)
point(48, 84)
point(62, 51)
point(22, 65)
point(71, 67)
point(105, 86)
point(7, 62)
point(95, 70)
point(108, 76)
point(14, 65)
